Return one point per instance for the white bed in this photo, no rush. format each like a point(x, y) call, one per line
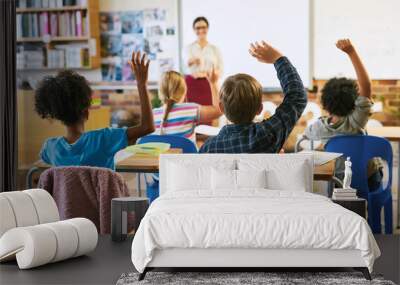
point(221, 211)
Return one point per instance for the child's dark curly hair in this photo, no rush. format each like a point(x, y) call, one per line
point(64, 97)
point(339, 96)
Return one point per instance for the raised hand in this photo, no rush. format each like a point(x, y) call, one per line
point(345, 45)
point(212, 76)
point(364, 82)
point(264, 52)
point(140, 67)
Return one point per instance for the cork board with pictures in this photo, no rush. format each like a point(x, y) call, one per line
point(149, 30)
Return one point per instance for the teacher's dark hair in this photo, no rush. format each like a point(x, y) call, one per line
point(199, 19)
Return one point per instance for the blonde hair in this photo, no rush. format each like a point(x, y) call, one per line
point(241, 97)
point(172, 89)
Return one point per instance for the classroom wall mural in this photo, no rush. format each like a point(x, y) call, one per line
point(144, 30)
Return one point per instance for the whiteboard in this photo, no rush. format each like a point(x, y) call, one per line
point(373, 26)
point(234, 24)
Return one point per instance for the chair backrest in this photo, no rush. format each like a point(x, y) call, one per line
point(83, 191)
point(185, 144)
point(360, 149)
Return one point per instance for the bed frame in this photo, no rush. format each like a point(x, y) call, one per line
point(242, 258)
point(256, 258)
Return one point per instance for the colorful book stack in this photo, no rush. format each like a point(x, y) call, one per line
point(57, 34)
point(344, 194)
point(61, 56)
point(60, 24)
point(23, 4)
point(30, 56)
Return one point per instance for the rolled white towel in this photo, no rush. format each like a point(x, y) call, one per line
point(7, 218)
point(40, 244)
point(33, 246)
point(24, 211)
point(45, 205)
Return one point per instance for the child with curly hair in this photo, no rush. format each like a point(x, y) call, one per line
point(67, 98)
point(348, 104)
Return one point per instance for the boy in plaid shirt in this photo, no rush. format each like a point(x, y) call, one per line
point(241, 101)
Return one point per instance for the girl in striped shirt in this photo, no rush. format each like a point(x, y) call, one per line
point(176, 117)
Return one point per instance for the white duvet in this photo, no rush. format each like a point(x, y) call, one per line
point(250, 219)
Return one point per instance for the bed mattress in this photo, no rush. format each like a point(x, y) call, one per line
point(250, 219)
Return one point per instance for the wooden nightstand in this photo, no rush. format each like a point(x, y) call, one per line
point(357, 205)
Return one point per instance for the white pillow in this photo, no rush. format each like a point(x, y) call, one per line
point(277, 180)
point(191, 176)
point(251, 178)
point(223, 179)
point(283, 172)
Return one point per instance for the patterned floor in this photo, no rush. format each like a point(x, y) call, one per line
point(244, 278)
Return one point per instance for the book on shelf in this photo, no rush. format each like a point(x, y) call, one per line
point(45, 3)
point(20, 57)
point(55, 58)
point(53, 24)
point(76, 55)
point(30, 56)
point(44, 24)
point(19, 25)
point(23, 4)
point(78, 24)
point(61, 56)
point(64, 24)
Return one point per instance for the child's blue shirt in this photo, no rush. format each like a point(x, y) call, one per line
point(93, 148)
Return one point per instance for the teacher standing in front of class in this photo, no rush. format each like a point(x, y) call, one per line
point(201, 58)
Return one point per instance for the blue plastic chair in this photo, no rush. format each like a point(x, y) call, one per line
point(187, 146)
point(361, 149)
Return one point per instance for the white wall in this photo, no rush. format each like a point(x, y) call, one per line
point(234, 24)
point(373, 26)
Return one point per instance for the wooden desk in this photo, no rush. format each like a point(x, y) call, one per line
point(391, 134)
point(325, 172)
point(142, 163)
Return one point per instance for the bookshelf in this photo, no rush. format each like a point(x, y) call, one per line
point(52, 39)
point(60, 9)
point(58, 34)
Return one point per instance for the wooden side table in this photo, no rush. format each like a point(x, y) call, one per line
point(356, 205)
point(120, 209)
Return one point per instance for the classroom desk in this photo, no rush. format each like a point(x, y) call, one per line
point(391, 134)
point(325, 172)
point(139, 163)
point(142, 164)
